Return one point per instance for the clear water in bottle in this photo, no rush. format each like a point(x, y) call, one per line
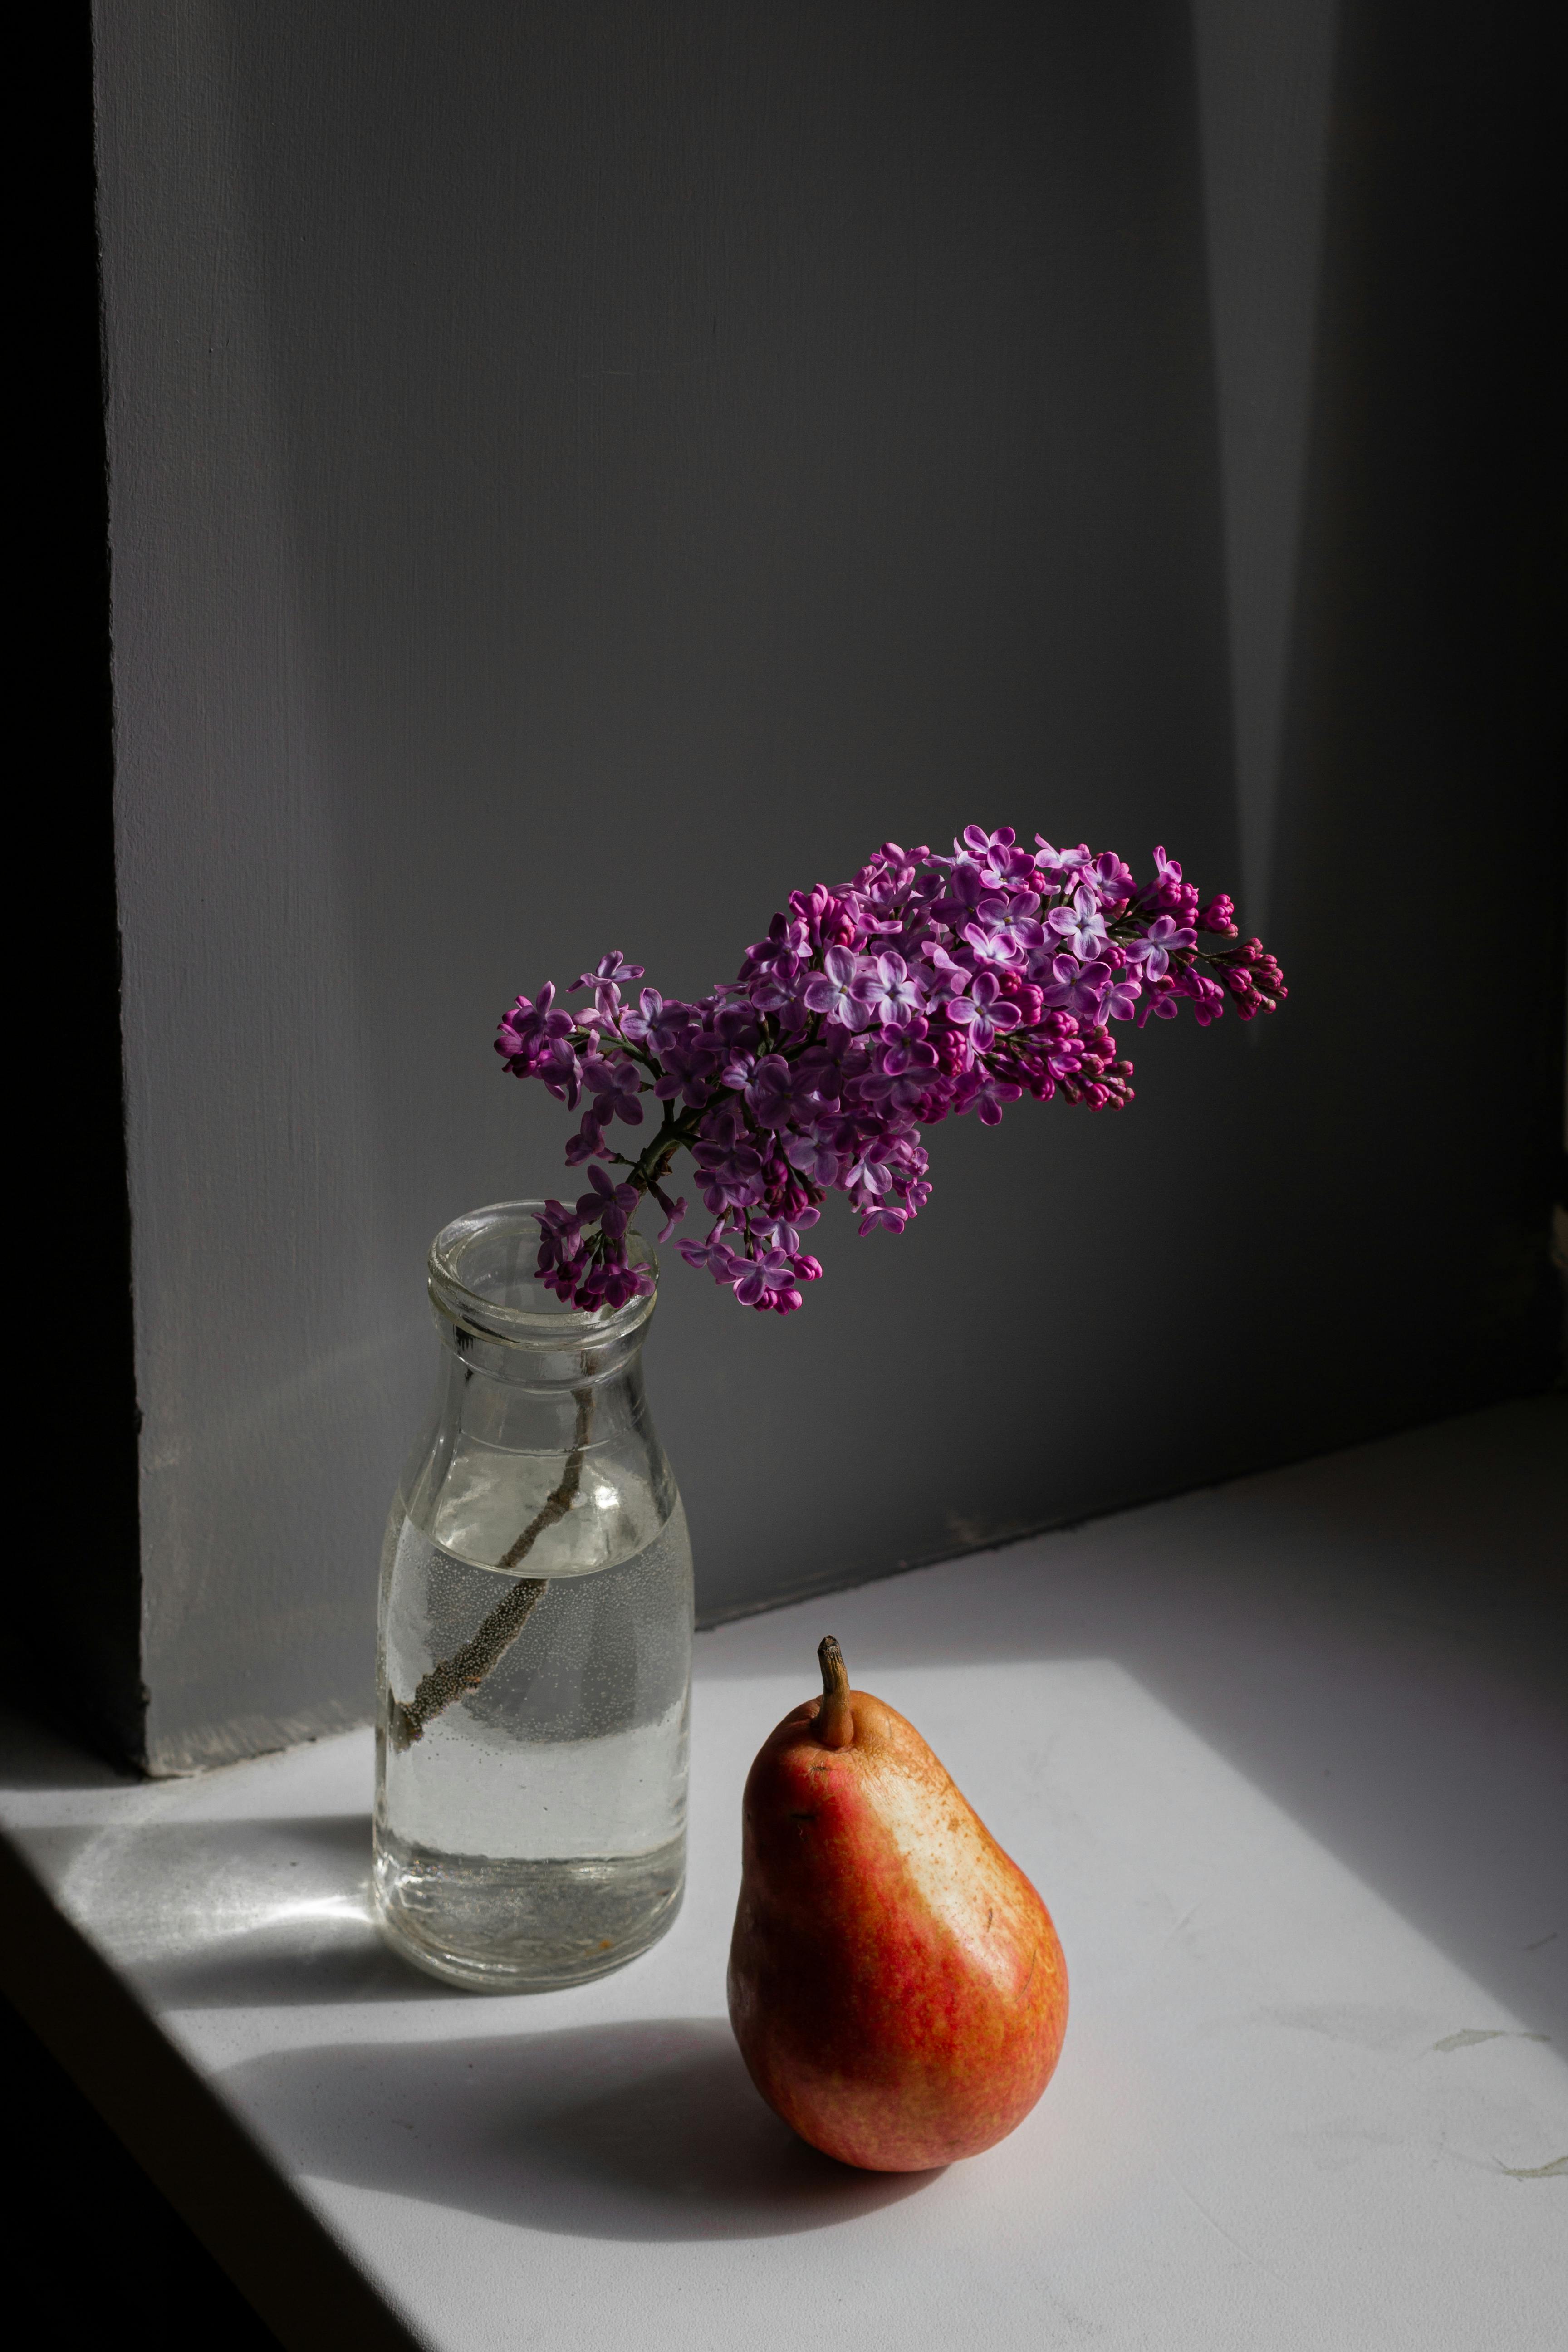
point(534, 1833)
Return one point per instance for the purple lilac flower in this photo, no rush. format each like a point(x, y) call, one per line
point(561, 1074)
point(1111, 879)
point(984, 1092)
point(1163, 939)
point(837, 993)
point(529, 1031)
point(984, 1012)
point(613, 1205)
point(1075, 988)
point(1062, 868)
point(763, 1278)
point(778, 1234)
point(889, 991)
point(816, 1157)
point(588, 1143)
point(1120, 997)
point(731, 1175)
point(870, 1174)
point(688, 1072)
point(1079, 926)
point(673, 1212)
point(638, 1025)
point(927, 987)
point(618, 1089)
point(1000, 935)
point(711, 1256)
point(609, 968)
point(773, 987)
point(953, 977)
point(769, 1091)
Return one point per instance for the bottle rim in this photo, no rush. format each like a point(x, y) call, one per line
point(455, 1292)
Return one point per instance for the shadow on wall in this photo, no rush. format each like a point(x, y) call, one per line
point(649, 459)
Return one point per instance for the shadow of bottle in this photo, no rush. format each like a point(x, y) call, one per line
point(641, 2131)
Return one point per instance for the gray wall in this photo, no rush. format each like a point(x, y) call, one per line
point(579, 471)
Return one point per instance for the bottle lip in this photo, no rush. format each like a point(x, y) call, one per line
point(480, 1257)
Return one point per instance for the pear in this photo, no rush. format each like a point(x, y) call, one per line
point(896, 1985)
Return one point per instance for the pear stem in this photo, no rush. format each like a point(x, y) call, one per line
point(835, 1726)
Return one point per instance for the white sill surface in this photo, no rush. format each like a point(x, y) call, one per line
point(1286, 1758)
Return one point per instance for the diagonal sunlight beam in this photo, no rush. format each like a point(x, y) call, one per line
point(1264, 77)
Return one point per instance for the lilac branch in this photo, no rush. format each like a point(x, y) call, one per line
point(929, 986)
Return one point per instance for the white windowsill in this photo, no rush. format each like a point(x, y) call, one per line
point(1285, 1759)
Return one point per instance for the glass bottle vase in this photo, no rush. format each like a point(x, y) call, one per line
point(534, 1659)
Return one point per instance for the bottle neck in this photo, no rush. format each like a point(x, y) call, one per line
point(559, 1428)
point(503, 1325)
point(588, 1360)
